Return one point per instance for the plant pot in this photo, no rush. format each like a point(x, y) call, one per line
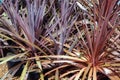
point(101, 76)
point(14, 63)
point(33, 76)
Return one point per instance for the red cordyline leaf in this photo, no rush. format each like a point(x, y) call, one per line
point(103, 27)
point(104, 21)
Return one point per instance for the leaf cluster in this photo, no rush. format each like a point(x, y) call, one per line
point(61, 39)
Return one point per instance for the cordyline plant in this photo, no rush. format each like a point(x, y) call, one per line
point(30, 29)
point(61, 39)
point(93, 46)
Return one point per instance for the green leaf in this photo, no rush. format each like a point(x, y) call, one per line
point(69, 72)
point(64, 57)
point(57, 75)
point(8, 58)
point(94, 74)
point(24, 71)
point(5, 59)
point(38, 63)
point(86, 71)
point(40, 66)
point(90, 74)
point(79, 74)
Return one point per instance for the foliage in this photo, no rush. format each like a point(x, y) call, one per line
point(61, 39)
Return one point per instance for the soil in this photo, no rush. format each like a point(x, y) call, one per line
point(3, 69)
